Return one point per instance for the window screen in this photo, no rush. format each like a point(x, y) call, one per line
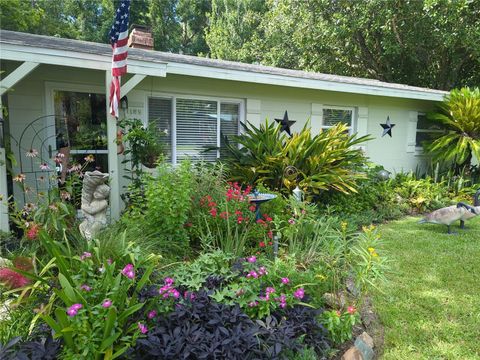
point(160, 112)
point(332, 117)
point(428, 130)
point(229, 122)
point(196, 129)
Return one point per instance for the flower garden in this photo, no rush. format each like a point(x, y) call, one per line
point(192, 271)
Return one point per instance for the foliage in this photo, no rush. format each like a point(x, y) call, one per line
point(98, 300)
point(340, 325)
point(224, 331)
point(158, 221)
point(343, 38)
point(177, 25)
point(42, 349)
point(460, 113)
point(229, 223)
point(315, 163)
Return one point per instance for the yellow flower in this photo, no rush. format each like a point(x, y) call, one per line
point(371, 250)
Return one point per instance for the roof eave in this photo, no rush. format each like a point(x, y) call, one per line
point(49, 56)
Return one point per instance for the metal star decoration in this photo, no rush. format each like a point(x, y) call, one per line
point(387, 127)
point(286, 123)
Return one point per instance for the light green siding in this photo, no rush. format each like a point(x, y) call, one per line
point(28, 101)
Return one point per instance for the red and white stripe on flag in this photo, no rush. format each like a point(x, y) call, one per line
point(119, 38)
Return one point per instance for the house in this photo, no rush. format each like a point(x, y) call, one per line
point(58, 88)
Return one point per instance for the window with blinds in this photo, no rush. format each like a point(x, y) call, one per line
point(199, 125)
point(333, 116)
point(428, 130)
point(196, 129)
point(229, 125)
point(160, 112)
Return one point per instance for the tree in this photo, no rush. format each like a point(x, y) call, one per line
point(431, 43)
point(460, 113)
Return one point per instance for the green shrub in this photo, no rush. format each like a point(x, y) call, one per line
point(158, 223)
point(316, 163)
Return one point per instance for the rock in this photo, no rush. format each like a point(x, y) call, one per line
point(335, 301)
point(352, 354)
point(364, 343)
point(352, 288)
point(367, 339)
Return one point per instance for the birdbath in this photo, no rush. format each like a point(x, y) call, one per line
point(258, 199)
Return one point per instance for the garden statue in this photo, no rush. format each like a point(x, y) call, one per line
point(94, 203)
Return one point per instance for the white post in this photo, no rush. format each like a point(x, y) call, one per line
point(112, 154)
point(4, 225)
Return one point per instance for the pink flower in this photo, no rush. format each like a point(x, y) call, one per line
point(252, 208)
point(291, 221)
point(262, 271)
point(128, 271)
point(252, 274)
point(299, 293)
point(32, 153)
point(152, 314)
point(107, 303)
point(32, 231)
point(44, 166)
point(270, 290)
point(285, 280)
point(261, 244)
point(351, 310)
point(253, 303)
point(252, 259)
point(85, 255)
point(85, 287)
point(175, 293)
point(73, 310)
point(143, 328)
point(213, 212)
point(169, 281)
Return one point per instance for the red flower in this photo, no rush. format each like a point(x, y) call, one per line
point(252, 208)
point(32, 232)
point(12, 279)
point(261, 244)
point(213, 212)
point(351, 310)
point(224, 215)
point(239, 219)
point(270, 234)
point(270, 243)
point(238, 212)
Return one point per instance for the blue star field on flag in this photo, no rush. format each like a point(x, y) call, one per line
point(120, 24)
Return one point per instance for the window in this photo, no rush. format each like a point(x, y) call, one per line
point(160, 112)
point(427, 130)
point(195, 126)
point(334, 115)
point(81, 126)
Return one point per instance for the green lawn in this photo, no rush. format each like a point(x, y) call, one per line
point(430, 308)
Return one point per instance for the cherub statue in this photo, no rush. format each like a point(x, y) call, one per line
point(94, 203)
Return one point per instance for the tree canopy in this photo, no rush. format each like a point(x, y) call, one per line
point(431, 43)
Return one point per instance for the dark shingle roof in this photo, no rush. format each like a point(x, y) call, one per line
point(51, 42)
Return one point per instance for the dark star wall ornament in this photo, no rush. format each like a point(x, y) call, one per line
point(286, 123)
point(387, 127)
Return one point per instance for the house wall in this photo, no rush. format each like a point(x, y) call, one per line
point(28, 101)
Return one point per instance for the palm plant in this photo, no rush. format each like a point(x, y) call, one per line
point(325, 161)
point(460, 113)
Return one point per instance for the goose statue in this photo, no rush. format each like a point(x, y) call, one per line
point(448, 215)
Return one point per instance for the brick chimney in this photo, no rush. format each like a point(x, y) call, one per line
point(140, 37)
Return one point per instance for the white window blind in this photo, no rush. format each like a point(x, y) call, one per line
point(196, 129)
point(428, 130)
point(229, 124)
point(160, 112)
point(333, 116)
point(195, 126)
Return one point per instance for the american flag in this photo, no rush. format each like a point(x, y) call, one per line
point(119, 39)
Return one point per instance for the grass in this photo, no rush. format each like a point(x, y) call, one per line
point(430, 306)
